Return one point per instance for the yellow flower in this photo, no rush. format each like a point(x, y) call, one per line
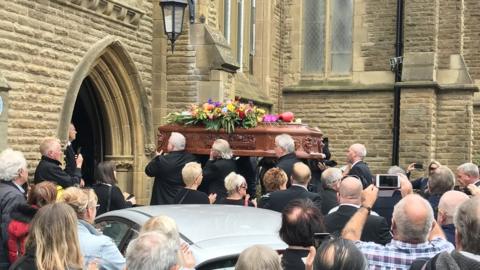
point(231, 107)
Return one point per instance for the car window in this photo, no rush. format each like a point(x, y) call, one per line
point(113, 229)
point(225, 263)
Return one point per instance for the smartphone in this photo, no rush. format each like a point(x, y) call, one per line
point(79, 150)
point(129, 197)
point(387, 181)
point(319, 238)
point(418, 166)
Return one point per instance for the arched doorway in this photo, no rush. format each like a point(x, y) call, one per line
point(110, 108)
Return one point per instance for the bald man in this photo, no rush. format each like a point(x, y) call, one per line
point(449, 202)
point(350, 198)
point(301, 176)
point(415, 233)
point(355, 155)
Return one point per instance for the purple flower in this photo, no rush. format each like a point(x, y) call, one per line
point(270, 118)
point(218, 104)
point(210, 101)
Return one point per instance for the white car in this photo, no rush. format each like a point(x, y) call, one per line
point(217, 234)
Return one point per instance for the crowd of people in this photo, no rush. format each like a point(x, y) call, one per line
point(332, 218)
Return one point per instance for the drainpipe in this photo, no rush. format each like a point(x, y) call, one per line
point(396, 66)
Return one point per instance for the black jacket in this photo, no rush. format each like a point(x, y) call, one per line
point(167, 170)
point(214, 175)
point(293, 259)
point(375, 230)
point(279, 199)
point(70, 161)
point(26, 262)
point(117, 201)
point(49, 170)
point(361, 170)
point(286, 164)
point(329, 200)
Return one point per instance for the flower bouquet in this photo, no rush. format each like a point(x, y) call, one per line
point(218, 115)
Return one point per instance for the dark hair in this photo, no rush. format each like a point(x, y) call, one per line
point(337, 254)
point(105, 173)
point(301, 219)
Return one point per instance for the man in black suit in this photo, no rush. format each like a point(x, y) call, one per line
point(350, 197)
point(330, 178)
point(355, 155)
point(300, 178)
point(285, 152)
point(167, 170)
point(69, 153)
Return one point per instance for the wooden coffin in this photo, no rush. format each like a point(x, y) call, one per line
point(258, 141)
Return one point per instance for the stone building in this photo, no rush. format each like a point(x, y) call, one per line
point(106, 66)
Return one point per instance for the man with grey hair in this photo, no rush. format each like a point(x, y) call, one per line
point(152, 251)
point(355, 155)
point(285, 152)
point(219, 165)
point(449, 202)
point(439, 182)
point(13, 174)
point(167, 170)
point(330, 179)
point(49, 168)
point(467, 174)
point(415, 232)
point(350, 198)
point(467, 237)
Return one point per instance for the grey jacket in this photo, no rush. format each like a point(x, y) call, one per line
point(10, 196)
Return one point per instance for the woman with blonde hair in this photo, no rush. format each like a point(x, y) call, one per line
point(53, 240)
point(192, 177)
point(219, 165)
point(93, 244)
point(236, 187)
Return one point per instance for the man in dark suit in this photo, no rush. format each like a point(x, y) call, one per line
point(355, 155)
point(300, 178)
point(69, 153)
point(167, 170)
point(330, 178)
point(449, 202)
point(285, 152)
point(350, 197)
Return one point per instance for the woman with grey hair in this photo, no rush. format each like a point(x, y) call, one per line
point(219, 165)
point(236, 187)
point(13, 174)
point(258, 257)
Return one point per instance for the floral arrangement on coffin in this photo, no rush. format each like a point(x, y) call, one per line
point(227, 115)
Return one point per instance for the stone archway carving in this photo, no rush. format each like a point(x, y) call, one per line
point(125, 109)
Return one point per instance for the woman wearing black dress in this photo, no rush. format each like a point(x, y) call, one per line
point(236, 186)
point(110, 197)
point(192, 177)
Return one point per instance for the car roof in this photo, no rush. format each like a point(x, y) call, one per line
point(214, 230)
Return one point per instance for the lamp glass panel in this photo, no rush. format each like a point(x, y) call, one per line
point(168, 18)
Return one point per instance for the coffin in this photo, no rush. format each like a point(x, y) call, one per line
point(258, 141)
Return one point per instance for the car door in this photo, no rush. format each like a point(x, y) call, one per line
point(121, 230)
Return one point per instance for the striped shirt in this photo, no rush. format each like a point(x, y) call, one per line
point(400, 255)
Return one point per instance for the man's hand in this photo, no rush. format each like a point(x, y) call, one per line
point(405, 185)
point(212, 198)
point(411, 167)
point(369, 196)
point(158, 153)
point(186, 257)
point(79, 161)
point(82, 183)
point(310, 258)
